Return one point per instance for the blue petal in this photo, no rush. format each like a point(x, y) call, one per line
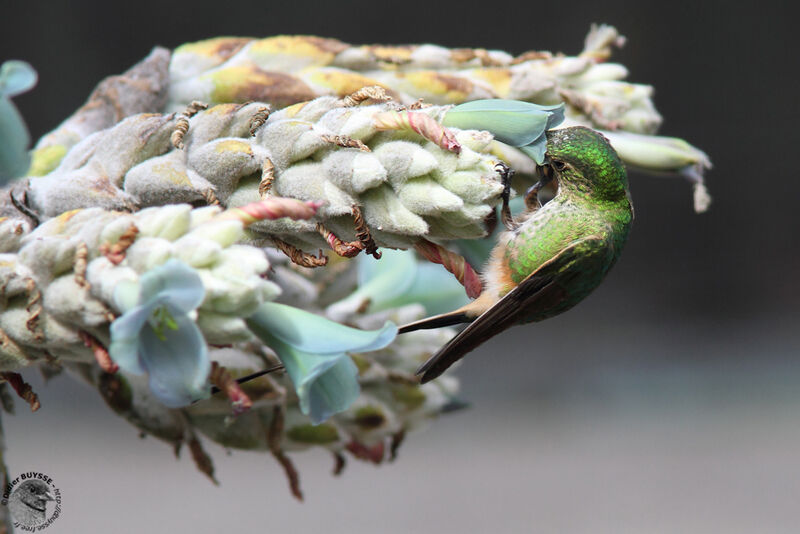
point(382, 280)
point(325, 384)
point(313, 333)
point(556, 116)
point(125, 336)
point(16, 77)
point(173, 282)
point(536, 150)
point(396, 267)
point(330, 391)
point(510, 121)
point(391, 286)
point(434, 288)
point(178, 365)
point(14, 157)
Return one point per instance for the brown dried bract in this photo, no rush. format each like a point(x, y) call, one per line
point(304, 259)
point(23, 389)
point(79, 267)
point(201, 459)
point(363, 235)
point(222, 379)
point(267, 178)
point(531, 55)
point(116, 252)
point(374, 92)
point(34, 308)
point(18, 194)
point(462, 55)
point(211, 197)
point(371, 453)
point(347, 249)
point(274, 436)
point(419, 104)
point(345, 142)
point(487, 60)
point(182, 126)
point(258, 119)
point(100, 353)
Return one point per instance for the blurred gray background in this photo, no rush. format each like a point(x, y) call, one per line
point(666, 402)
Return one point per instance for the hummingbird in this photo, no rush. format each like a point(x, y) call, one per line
point(552, 256)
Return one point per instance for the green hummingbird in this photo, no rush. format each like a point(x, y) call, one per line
point(551, 257)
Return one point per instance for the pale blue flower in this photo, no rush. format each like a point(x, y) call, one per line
point(515, 123)
point(15, 77)
point(398, 279)
point(156, 335)
point(314, 352)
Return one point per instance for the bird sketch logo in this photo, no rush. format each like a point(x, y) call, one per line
point(33, 501)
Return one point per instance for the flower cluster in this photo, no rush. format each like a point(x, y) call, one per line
point(143, 254)
point(405, 185)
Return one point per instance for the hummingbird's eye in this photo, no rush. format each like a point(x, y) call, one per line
point(559, 165)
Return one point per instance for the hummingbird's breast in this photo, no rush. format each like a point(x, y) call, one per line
point(554, 228)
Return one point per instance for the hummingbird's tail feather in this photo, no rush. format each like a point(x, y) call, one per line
point(456, 349)
point(437, 321)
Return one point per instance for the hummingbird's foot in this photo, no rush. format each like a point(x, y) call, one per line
point(506, 173)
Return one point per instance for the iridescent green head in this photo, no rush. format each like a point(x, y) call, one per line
point(585, 162)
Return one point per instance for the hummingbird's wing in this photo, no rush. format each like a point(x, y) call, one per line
point(541, 290)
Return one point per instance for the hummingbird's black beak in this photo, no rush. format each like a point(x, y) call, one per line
point(546, 173)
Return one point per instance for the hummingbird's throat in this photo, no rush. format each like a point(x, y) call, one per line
point(545, 189)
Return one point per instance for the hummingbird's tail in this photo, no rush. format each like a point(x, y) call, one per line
point(443, 359)
point(437, 321)
point(459, 345)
